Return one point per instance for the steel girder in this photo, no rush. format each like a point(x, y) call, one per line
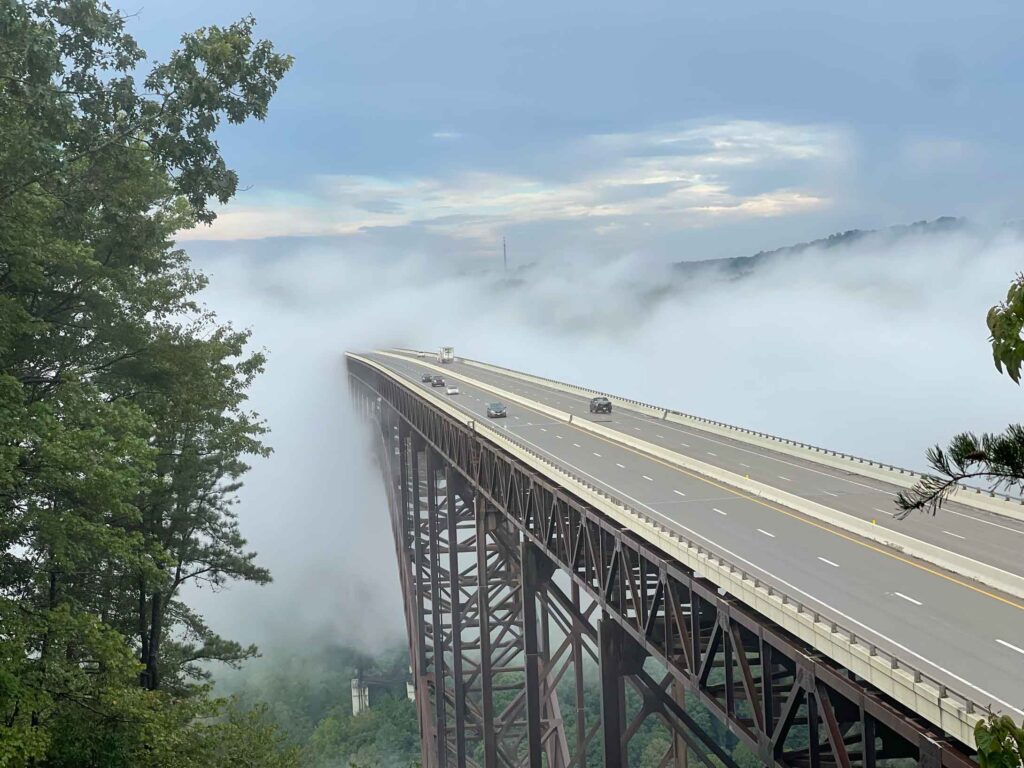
point(504, 574)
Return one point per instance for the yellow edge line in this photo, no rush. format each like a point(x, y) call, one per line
point(796, 516)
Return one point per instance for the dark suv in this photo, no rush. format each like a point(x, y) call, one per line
point(600, 405)
point(496, 411)
point(426, 378)
point(437, 381)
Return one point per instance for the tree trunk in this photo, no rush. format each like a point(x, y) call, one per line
point(143, 636)
point(155, 624)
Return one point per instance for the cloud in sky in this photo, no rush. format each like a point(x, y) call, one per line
point(804, 120)
point(676, 178)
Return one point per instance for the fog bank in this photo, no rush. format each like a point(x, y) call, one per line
point(877, 348)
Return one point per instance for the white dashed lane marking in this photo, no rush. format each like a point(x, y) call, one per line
point(783, 477)
point(954, 535)
point(828, 562)
point(1011, 646)
point(769, 535)
point(620, 466)
point(680, 493)
point(986, 522)
point(908, 599)
point(645, 477)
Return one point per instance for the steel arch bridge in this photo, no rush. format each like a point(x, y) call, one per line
point(518, 593)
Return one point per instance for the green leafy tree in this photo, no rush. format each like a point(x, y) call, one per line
point(1000, 743)
point(1005, 323)
point(996, 460)
point(384, 735)
point(123, 426)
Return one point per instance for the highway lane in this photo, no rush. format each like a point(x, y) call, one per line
point(981, 535)
point(958, 633)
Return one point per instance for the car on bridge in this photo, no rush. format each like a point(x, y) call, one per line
point(426, 378)
point(437, 381)
point(496, 411)
point(600, 405)
point(451, 389)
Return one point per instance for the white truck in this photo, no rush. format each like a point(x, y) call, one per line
point(446, 355)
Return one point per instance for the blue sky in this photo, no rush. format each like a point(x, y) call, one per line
point(674, 130)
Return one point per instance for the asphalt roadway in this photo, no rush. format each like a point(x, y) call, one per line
point(981, 535)
point(956, 631)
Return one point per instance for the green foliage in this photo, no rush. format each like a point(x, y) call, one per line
point(996, 460)
point(1005, 323)
point(1000, 743)
point(385, 735)
point(146, 728)
point(308, 696)
point(123, 425)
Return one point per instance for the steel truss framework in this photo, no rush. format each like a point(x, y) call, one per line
point(513, 588)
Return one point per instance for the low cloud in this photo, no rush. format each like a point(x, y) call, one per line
point(877, 348)
point(674, 179)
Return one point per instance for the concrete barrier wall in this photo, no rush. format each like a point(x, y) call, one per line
point(991, 576)
point(953, 712)
point(903, 478)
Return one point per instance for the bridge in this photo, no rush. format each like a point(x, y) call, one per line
point(679, 563)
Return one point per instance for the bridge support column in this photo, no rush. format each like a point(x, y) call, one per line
point(680, 755)
point(455, 548)
point(486, 524)
point(416, 540)
point(618, 657)
point(541, 702)
point(437, 576)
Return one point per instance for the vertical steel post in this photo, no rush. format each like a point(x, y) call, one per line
point(455, 587)
point(437, 609)
point(411, 521)
point(868, 740)
point(530, 580)
point(485, 523)
point(577, 668)
point(680, 754)
point(813, 744)
point(613, 695)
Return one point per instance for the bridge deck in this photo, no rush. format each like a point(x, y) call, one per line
point(958, 632)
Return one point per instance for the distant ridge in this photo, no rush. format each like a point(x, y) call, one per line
point(741, 266)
